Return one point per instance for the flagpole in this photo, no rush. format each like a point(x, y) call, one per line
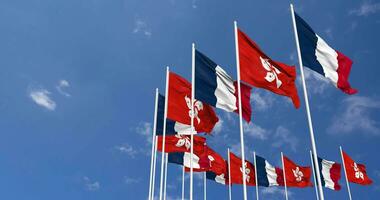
point(229, 175)
point(192, 117)
point(256, 180)
point(345, 173)
point(153, 144)
point(164, 131)
point(183, 182)
point(204, 186)
point(313, 145)
point(240, 111)
point(284, 172)
point(166, 174)
point(315, 181)
point(154, 166)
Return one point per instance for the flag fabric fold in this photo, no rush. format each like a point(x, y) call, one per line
point(184, 159)
point(356, 172)
point(181, 143)
point(330, 172)
point(179, 106)
point(296, 176)
point(219, 178)
point(258, 70)
point(321, 58)
point(237, 171)
point(217, 88)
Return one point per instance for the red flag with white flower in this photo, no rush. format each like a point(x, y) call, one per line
point(296, 176)
point(216, 162)
point(257, 69)
point(237, 171)
point(181, 143)
point(179, 106)
point(356, 172)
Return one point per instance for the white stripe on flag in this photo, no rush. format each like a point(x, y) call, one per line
point(271, 174)
point(187, 158)
point(326, 167)
point(328, 58)
point(183, 129)
point(225, 98)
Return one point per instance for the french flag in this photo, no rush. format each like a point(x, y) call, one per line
point(221, 178)
point(330, 172)
point(215, 87)
point(320, 57)
point(184, 158)
point(172, 127)
point(267, 175)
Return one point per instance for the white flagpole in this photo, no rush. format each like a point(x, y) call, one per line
point(256, 180)
point(204, 186)
point(240, 111)
point(345, 173)
point(164, 132)
point(315, 181)
point(314, 148)
point(153, 144)
point(192, 117)
point(283, 171)
point(154, 166)
point(229, 175)
point(183, 182)
point(166, 174)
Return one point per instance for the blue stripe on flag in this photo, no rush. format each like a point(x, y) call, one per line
point(160, 118)
point(176, 158)
point(308, 44)
point(320, 170)
point(210, 175)
point(205, 79)
point(262, 178)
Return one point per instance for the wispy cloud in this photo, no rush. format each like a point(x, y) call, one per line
point(316, 83)
point(141, 27)
point(130, 180)
point(62, 85)
point(355, 114)
point(145, 129)
point(127, 149)
point(366, 8)
point(274, 190)
point(283, 137)
point(42, 98)
point(91, 185)
point(194, 4)
point(256, 131)
point(218, 127)
point(262, 100)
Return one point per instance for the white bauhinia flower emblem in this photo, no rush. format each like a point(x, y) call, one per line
point(183, 141)
point(272, 72)
point(298, 174)
point(211, 159)
point(197, 107)
point(247, 171)
point(358, 173)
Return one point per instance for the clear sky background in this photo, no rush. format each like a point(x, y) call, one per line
point(77, 81)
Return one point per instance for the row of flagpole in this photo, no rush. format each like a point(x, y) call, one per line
point(314, 155)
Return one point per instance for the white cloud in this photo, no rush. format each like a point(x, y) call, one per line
point(356, 115)
point(142, 28)
point(256, 131)
point(218, 127)
point(91, 185)
point(129, 180)
point(329, 33)
point(41, 97)
point(283, 137)
point(127, 149)
point(262, 100)
point(274, 190)
point(145, 129)
point(366, 8)
point(62, 84)
point(316, 83)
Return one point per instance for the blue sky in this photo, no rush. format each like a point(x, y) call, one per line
point(77, 88)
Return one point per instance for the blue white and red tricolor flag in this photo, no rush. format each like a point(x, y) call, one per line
point(267, 175)
point(330, 171)
point(184, 158)
point(215, 87)
point(320, 57)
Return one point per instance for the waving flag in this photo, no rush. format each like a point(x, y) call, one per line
point(356, 173)
point(215, 87)
point(172, 127)
point(181, 143)
point(330, 172)
point(216, 162)
point(184, 158)
point(237, 171)
point(179, 106)
point(221, 178)
point(320, 57)
point(296, 176)
point(257, 69)
point(267, 175)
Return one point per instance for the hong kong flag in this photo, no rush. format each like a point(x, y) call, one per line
point(179, 106)
point(216, 162)
point(181, 143)
point(237, 171)
point(257, 69)
point(356, 173)
point(296, 176)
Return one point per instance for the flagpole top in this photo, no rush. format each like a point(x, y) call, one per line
point(156, 90)
point(167, 68)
